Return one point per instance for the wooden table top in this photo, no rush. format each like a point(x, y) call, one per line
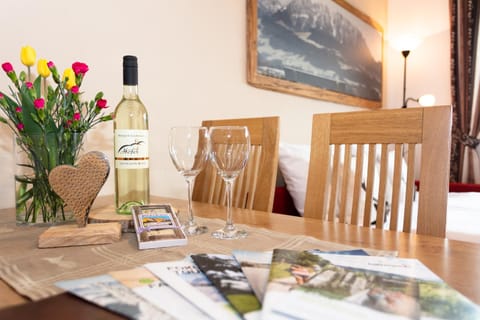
point(455, 262)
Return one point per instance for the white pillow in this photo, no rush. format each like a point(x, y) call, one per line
point(293, 163)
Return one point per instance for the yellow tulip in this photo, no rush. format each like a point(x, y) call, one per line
point(42, 68)
point(28, 56)
point(70, 76)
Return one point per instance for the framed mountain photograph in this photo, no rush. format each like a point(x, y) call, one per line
point(321, 49)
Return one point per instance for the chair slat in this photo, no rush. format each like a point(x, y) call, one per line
point(345, 178)
point(396, 186)
point(382, 187)
point(239, 186)
point(357, 185)
point(252, 181)
point(369, 185)
point(247, 180)
point(213, 186)
point(334, 181)
point(407, 215)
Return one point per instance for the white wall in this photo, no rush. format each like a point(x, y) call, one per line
point(428, 65)
point(192, 60)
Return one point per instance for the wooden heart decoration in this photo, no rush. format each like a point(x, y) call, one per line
point(79, 185)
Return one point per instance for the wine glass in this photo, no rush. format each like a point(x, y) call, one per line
point(230, 148)
point(189, 148)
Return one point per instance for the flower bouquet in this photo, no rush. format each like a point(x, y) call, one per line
point(49, 121)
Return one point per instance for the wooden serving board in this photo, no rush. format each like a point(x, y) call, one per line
point(73, 235)
point(108, 214)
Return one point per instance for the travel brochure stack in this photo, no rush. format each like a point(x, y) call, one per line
point(279, 284)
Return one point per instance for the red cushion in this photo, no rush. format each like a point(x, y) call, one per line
point(283, 202)
point(463, 187)
point(458, 187)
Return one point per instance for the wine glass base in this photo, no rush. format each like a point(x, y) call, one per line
point(194, 230)
point(230, 234)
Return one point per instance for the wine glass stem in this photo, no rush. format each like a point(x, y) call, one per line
point(190, 181)
point(228, 190)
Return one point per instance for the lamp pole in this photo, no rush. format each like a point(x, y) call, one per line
point(405, 54)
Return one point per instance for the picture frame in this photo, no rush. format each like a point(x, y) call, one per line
point(320, 49)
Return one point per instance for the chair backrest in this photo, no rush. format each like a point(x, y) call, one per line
point(362, 155)
point(255, 187)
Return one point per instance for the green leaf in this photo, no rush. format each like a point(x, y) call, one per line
point(37, 85)
point(22, 76)
point(107, 117)
point(52, 147)
point(32, 127)
point(24, 197)
point(11, 103)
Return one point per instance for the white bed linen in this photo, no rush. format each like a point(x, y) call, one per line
point(463, 216)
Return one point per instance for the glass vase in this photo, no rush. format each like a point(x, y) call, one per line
point(35, 200)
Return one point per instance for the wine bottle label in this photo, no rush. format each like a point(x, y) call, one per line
point(131, 149)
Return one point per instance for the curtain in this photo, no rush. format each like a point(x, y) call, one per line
point(465, 72)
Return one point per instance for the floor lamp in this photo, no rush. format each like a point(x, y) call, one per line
point(424, 100)
point(405, 54)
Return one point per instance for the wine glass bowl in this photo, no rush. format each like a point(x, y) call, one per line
point(189, 149)
point(230, 148)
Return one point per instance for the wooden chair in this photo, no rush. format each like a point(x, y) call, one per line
point(330, 195)
point(255, 187)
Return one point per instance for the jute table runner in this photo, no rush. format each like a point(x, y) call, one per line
point(32, 272)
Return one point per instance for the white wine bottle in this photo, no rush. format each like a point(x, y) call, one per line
point(132, 185)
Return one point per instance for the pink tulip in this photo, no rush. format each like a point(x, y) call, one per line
point(75, 89)
point(39, 103)
point(20, 126)
point(18, 109)
point(50, 64)
point(76, 116)
point(29, 85)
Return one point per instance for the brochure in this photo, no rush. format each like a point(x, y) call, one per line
point(314, 285)
point(157, 226)
point(105, 291)
point(185, 277)
point(226, 275)
point(145, 284)
point(256, 266)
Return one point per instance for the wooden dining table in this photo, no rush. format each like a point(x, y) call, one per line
point(453, 261)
